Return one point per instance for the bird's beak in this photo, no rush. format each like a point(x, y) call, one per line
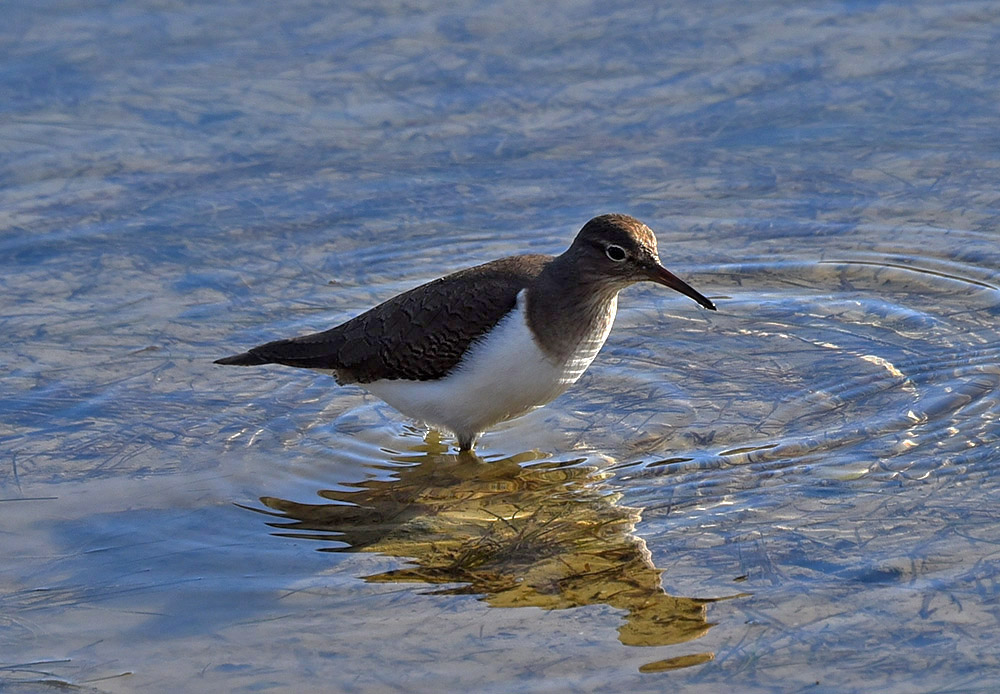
point(662, 275)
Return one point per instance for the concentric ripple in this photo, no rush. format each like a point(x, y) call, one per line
point(853, 366)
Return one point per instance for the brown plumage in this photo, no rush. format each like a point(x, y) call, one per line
point(418, 335)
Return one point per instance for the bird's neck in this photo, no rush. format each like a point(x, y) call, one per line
point(569, 313)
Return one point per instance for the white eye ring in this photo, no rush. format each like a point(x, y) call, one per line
point(615, 253)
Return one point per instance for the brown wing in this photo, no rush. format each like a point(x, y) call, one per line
point(418, 335)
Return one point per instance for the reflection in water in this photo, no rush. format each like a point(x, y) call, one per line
point(521, 533)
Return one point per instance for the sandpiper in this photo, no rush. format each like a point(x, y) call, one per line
point(489, 343)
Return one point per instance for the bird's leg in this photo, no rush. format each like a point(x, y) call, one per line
point(466, 442)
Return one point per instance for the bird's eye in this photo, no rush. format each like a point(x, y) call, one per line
point(615, 253)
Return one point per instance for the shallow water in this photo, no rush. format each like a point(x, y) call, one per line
point(794, 493)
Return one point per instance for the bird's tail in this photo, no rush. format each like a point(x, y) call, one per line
point(245, 359)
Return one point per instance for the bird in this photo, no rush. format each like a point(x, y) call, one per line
point(489, 343)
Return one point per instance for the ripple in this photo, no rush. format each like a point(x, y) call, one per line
point(827, 369)
point(905, 268)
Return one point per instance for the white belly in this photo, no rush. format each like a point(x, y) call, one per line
point(502, 376)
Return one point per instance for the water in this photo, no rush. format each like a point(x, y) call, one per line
point(794, 493)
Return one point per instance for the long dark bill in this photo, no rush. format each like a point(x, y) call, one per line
point(663, 276)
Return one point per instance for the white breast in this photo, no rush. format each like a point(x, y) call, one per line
point(504, 375)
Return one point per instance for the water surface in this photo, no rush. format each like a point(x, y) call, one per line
point(794, 493)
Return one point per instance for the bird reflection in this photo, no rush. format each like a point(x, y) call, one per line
point(519, 532)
